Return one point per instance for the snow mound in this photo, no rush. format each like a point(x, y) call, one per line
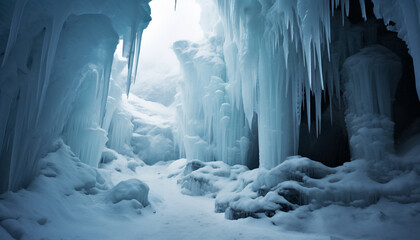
point(67, 190)
point(128, 190)
point(207, 178)
point(61, 178)
point(108, 155)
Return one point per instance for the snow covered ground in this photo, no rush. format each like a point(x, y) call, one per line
point(73, 204)
point(71, 200)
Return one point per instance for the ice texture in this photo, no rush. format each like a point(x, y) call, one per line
point(261, 63)
point(55, 78)
point(210, 126)
point(370, 79)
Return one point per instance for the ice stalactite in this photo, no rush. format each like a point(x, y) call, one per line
point(287, 45)
point(55, 78)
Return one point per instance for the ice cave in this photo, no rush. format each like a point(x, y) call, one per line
point(210, 119)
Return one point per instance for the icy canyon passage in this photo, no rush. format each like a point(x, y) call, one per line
point(210, 119)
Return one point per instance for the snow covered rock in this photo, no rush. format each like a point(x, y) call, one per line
point(108, 155)
point(301, 182)
point(208, 178)
point(128, 190)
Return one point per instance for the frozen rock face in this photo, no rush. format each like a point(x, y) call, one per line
point(129, 190)
point(55, 72)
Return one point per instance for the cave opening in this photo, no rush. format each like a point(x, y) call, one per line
point(216, 128)
point(331, 146)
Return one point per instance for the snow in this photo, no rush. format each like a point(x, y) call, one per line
point(152, 139)
point(128, 190)
point(70, 193)
point(110, 202)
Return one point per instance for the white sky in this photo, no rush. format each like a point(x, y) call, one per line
point(167, 26)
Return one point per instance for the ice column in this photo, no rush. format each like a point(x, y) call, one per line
point(370, 78)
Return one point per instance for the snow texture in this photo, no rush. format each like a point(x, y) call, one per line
point(302, 194)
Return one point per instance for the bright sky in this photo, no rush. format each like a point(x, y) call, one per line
point(167, 26)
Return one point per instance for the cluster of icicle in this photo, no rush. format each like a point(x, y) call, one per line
point(278, 55)
point(55, 77)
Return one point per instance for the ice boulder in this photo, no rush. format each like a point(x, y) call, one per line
point(129, 190)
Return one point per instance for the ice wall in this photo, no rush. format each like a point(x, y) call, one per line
point(55, 71)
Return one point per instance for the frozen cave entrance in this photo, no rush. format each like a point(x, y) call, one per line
point(331, 145)
point(298, 120)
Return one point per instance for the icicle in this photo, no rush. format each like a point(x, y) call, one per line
point(342, 12)
point(138, 48)
point(131, 57)
point(14, 28)
point(57, 26)
point(107, 77)
point(363, 9)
